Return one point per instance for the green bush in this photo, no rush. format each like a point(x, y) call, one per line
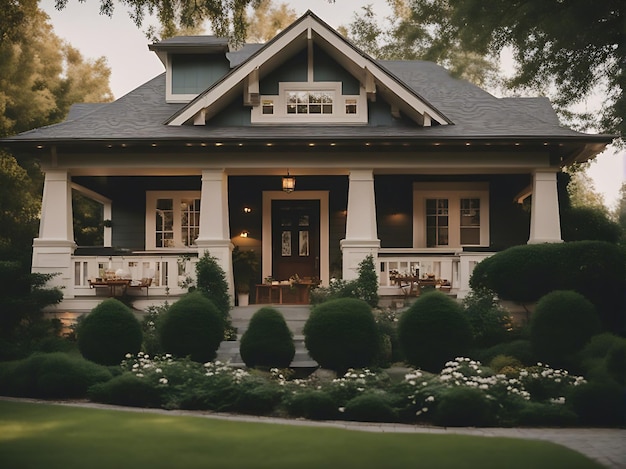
point(588, 223)
point(616, 362)
point(211, 281)
point(434, 330)
point(561, 325)
point(595, 269)
point(312, 405)
point(267, 342)
point(257, 397)
point(367, 282)
point(370, 407)
point(500, 362)
point(109, 332)
point(595, 358)
point(520, 349)
point(463, 407)
point(127, 390)
point(50, 375)
point(544, 414)
point(598, 403)
point(490, 323)
point(192, 327)
point(341, 334)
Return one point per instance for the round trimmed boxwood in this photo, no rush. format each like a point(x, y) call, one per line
point(312, 404)
point(109, 332)
point(561, 325)
point(193, 327)
point(463, 407)
point(370, 407)
point(267, 342)
point(433, 331)
point(342, 334)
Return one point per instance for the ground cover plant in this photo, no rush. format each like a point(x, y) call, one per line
point(37, 435)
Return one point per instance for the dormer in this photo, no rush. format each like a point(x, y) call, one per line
point(192, 64)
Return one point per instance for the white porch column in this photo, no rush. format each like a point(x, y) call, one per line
point(53, 249)
point(214, 235)
point(545, 222)
point(361, 231)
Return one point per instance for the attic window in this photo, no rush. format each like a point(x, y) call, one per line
point(310, 102)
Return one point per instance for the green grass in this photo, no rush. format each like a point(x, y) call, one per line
point(49, 436)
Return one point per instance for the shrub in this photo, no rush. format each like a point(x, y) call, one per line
point(433, 330)
point(520, 349)
point(616, 362)
point(313, 405)
point(463, 407)
point(192, 327)
point(589, 223)
point(594, 269)
point(127, 390)
point(150, 327)
point(500, 362)
point(370, 407)
point(50, 375)
point(341, 334)
point(257, 397)
point(598, 403)
point(545, 414)
point(211, 281)
point(267, 342)
point(490, 323)
point(109, 332)
point(367, 282)
point(563, 322)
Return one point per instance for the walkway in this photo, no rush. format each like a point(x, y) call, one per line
point(607, 446)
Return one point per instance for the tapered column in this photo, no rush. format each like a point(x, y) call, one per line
point(361, 231)
point(214, 235)
point(545, 221)
point(53, 249)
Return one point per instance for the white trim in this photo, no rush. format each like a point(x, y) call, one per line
point(338, 115)
point(151, 198)
point(408, 102)
point(454, 192)
point(322, 196)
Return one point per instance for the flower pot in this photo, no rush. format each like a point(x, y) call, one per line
point(243, 299)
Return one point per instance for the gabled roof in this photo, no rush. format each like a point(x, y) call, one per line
point(309, 27)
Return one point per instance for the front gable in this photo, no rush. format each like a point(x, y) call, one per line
point(331, 83)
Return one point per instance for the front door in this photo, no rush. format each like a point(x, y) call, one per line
point(295, 239)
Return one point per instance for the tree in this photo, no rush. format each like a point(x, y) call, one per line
point(268, 20)
point(574, 47)
point(40, 78)
point(227, 18)
point(404, 38)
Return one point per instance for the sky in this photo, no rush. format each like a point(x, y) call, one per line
point(126, 49)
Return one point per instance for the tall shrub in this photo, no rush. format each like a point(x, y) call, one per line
point(211, 281)
point(433, 331)
point(367, 282)
point(342, 334)
point(109, 332)
point(594, 269)
point(267, 342)
point(192, 327)
point(562, 324)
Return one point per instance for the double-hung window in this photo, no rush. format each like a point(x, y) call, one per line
point(450, 215)
point(172, 219)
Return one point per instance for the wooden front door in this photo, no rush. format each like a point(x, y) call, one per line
point(295, 239)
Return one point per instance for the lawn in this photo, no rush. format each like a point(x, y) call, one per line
point(50, 436)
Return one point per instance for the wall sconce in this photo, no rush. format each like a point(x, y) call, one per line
point(289, 183)
point(245, 234)
point(247, 210)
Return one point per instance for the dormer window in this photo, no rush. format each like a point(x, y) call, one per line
point(310, 102)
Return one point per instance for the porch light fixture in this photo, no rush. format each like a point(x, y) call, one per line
point(289, 183)
point(245, 234)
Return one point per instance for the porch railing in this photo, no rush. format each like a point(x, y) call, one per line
point(170, 274)
point(454, 267)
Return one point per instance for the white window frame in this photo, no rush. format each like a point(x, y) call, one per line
point(151, 203)
point(454, 192)
point(339, 114)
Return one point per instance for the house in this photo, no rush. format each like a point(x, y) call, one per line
point(306, 150)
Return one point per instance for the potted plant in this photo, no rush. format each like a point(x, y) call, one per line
point(245, 268)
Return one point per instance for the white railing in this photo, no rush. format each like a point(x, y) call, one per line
point(170, 274)
point(453, 267)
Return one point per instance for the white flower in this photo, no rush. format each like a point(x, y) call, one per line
point(430, 398)
point(140, 375)
point(163, 380)
point(128, 355)
point(342, 409)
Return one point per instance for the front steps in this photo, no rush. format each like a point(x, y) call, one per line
point(295, 316)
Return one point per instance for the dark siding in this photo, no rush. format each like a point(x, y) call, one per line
point(394, 210)
point(193, 73)
point(326, 68)
point(295, 69)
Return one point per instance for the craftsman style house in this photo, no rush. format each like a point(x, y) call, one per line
point(306, 150)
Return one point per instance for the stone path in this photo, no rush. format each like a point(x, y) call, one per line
point(607, 446)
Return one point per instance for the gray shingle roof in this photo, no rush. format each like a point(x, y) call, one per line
point(476, 114)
